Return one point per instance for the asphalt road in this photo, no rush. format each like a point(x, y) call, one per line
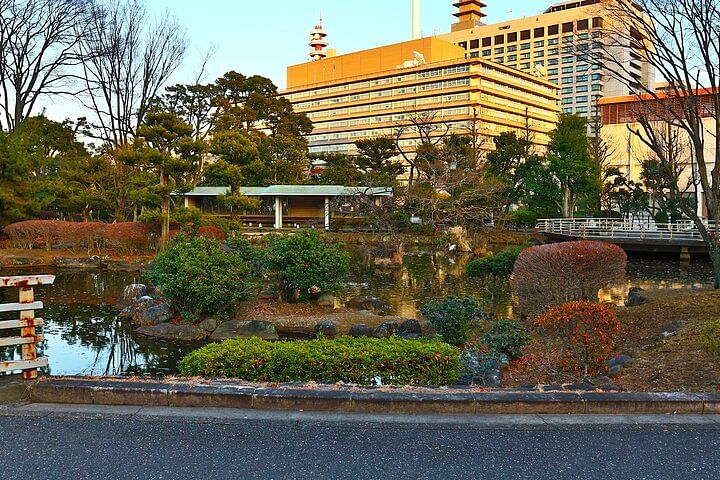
point(66, 442)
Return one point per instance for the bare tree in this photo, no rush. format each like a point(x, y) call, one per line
point(426, 128)
point(128, 58)
point(680, 40)
point(38, 40)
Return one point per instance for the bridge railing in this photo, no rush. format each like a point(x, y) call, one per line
point(26, 324)
point(621, 229)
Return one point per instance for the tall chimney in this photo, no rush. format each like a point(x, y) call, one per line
point(415, 19)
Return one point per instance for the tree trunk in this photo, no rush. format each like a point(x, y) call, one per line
point(715, 256)
point(165, 231)
point(567, 203)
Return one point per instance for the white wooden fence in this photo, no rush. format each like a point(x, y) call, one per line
point(28, 339)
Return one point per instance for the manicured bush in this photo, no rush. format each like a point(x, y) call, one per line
point(498, 265)
point(190, 219)
point(508, 337)
point(451, 317)
point(214, 233)
point(131, 237)
point(549, 275)
point(198, 277)
point(523, 217)
point(710, 337)
point(303, 261)
point(586, 332)
point(354, 360)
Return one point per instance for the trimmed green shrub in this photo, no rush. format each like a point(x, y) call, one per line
point(303, 261)
point(710, 337)
point(354, 360)
point(452, 316)
point(508, 337)
point(197, 277)
point(190, 219)
point(524, 217)
point(498, 265)
point(250, 255)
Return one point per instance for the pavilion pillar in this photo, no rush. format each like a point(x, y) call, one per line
point(278, 213)
point(327, 213)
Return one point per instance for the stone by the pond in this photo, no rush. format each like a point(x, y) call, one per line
point(169, 331)
point(483, 370)
point(326, 300)
point(410, 327)
point(80, 263)
point(124, 266)
point(386, 330)
point(161, 313)
point(137, 307)
point(372, 304)
point(327, 328)
point(361, 330)
point(622, 360)
point(209, 325)
point(132, 292)
point(635, 297)
point(245, 329)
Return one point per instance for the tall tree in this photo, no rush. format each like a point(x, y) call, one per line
point(680, 40)
point(165, 146)
point(127, 59)
point(38, 40)
point(377, 159)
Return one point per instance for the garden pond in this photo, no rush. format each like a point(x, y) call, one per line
point(84, 336)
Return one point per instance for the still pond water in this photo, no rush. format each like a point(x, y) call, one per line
point(83, 335)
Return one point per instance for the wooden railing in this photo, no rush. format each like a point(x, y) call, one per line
point(28, 339)
point(619, 229)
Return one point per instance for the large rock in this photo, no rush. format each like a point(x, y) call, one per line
point(161, 313)
point(89, 263)
point(326, 328)
point(125, 265)
point(245, 329)
point(372, 304)
point(131, 293)
point(169, 331)
point(326, 300)
point(361, 330)
point(209, 325)
point(635, 297)
point(485, 370)
point(386, 330)
point(410, 327)
point(137, 308)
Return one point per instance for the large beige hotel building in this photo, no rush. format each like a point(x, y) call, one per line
point(510, 76)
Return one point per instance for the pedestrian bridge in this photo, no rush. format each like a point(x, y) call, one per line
point(631, 235)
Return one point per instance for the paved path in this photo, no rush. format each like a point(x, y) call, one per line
point(93, 442)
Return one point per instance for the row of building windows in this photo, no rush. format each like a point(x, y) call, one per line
point(540, 32)
point(381, 81)
point(441, 113)
point(580, 47)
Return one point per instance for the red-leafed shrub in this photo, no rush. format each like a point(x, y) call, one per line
point(214, 233)
point(558, 273)
point(131, 237)
point(33, 233)
point(585, 333)
point(81, 236)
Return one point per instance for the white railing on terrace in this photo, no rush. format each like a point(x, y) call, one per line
point(622, 229)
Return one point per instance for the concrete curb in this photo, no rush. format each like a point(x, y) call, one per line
point(230, 394)
point(12, 389)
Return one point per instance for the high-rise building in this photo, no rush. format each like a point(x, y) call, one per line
point(559, 44)
point(388, 91)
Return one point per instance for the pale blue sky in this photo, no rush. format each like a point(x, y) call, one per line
point(263, 37)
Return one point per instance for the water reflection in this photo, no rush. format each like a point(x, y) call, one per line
point(83, 334)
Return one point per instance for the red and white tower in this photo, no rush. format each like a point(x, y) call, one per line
point(317, 42)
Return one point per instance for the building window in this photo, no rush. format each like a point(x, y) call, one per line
point(567, 80)
point(553, 29)
point(581, 99)
point(567, 70)
point(596, 76)
point(539, 53)
point(524, 66)
point(553, 61)
point(596, 87)
point(499, 39)
point(486, 53)
point(525, 56)
point(553, 41)
point(581, 110)
point(567, 27)
point(512, 48)
point(568, 59)
point(597, 22)
point(568, 39)
point(499, 60)
point(512, 58)
point(553, 51)
point(583, 36)
point(553, 71)
point(525, 35)
point(567, 101)
point(540, 63)
point(525, 46)
point(567, 110)
point(581, 89)
point(567, 90)
point(512, 37)
point(539, 32)
point(583, 67)
point(499, 50)
point(463, 45)
point(539, 44)
point(582, 78)
point(474, 44)
point(486, 42)
point(583, 24)
point(474, 54)
point(568, 49)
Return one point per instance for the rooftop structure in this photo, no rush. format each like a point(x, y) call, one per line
point(384, 91)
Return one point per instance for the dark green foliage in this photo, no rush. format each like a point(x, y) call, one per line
point(355, 360)
point(198, 277)
point(498, 265)
point(710, 337)
point(252, 256)
point(452, 316)
point(302, 260)
point(508, 337)
point(190, 219)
